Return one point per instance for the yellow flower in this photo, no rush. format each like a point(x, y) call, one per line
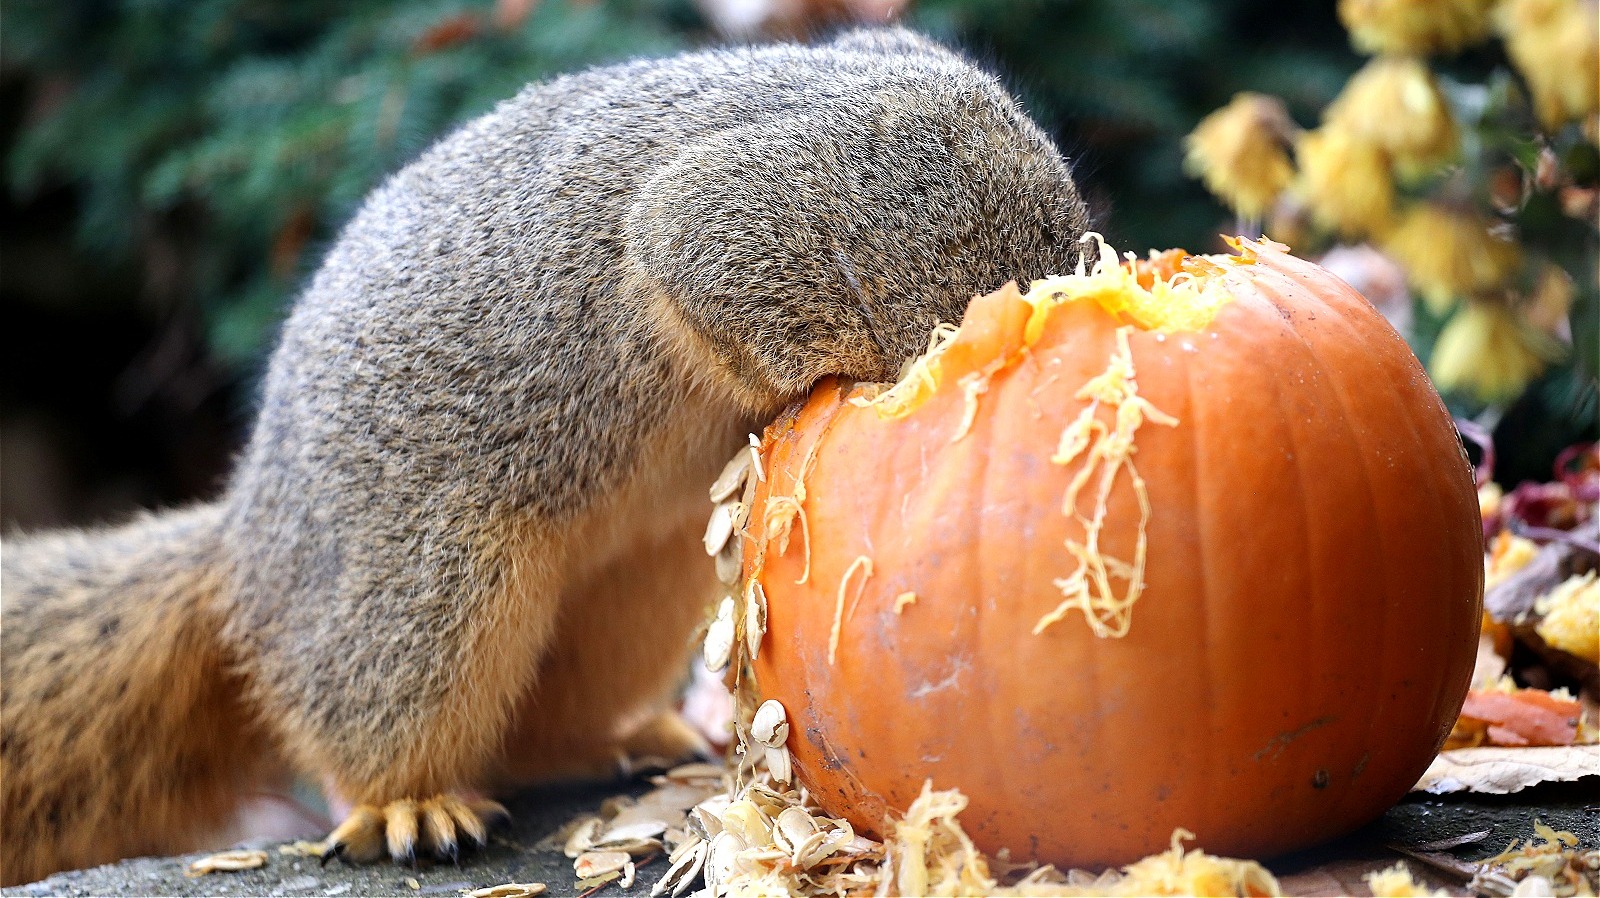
point(1483, 351)
point(1395, 103)
point(1415, 26)
point(1345, 181)
point(1449, 255)
point(1508, 553)
point(1241, 152)
point(1550, 302)
point(1572, 617)
point(1555, 44)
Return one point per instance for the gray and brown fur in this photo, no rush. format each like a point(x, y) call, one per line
point(461, 547)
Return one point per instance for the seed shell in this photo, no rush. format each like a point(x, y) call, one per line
point(733, 476)
point(719, 638)
point(598, 863)
point(770, 727)
point(227, 862)
point(510, 890)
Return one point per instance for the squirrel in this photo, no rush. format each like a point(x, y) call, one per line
point(461, 549)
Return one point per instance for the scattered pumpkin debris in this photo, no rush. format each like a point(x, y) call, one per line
point(1106, 453)
point(1549, 863)
point(226, 862)
point(1397, 882)
point(510, 890)
point(864, 564)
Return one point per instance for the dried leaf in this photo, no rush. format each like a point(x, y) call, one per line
point(1498, 771)
point(1524, 717)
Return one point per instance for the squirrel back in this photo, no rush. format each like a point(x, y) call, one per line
point(490, 421)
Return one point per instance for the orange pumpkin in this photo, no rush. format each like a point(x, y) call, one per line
point(1189, 543)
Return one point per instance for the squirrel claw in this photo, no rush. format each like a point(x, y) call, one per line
point(408, 829)
point(334, 850)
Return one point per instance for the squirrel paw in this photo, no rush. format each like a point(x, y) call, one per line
point(435, 827)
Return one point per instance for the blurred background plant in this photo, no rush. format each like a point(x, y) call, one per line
point(174, 170)
point(1454, 179)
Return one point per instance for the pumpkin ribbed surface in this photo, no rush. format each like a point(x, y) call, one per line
point(1271, 635)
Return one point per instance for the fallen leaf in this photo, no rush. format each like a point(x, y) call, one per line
point(1524, 717)
point(1498, 771)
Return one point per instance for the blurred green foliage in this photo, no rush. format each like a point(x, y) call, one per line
point(270, 119)
point(267, 122)
point(1120, 82)
point(227, 140)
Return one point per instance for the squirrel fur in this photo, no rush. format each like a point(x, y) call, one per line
point(461, 549)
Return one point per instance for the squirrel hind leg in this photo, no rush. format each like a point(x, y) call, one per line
point(668, 737)
point(590, 709)
point(438, 827)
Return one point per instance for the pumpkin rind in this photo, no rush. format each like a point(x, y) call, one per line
point(1312, 586)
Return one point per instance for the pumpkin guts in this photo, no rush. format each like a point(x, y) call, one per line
point(1106, 452)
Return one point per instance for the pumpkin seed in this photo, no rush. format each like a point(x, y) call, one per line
point(582, 838)
point(729, 562)
point(227, 862)
point(720, 528)
point(770, 727)
point(755, 457)
point(733, 476)
point(509, 890)
point(780, 765)
point(833, 841)
point(635, 847)
point(686, 864)
point(630, 831)
point(628, 873)
point(745, 820)
point(595, 882)
point(598, 863)
point(707, 815)
point(755, 617)
point(696, 771)
point(720, 857)
point(719, 637)
point(793, 829)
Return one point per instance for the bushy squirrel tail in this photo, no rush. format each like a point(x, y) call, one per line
point(123, 730)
